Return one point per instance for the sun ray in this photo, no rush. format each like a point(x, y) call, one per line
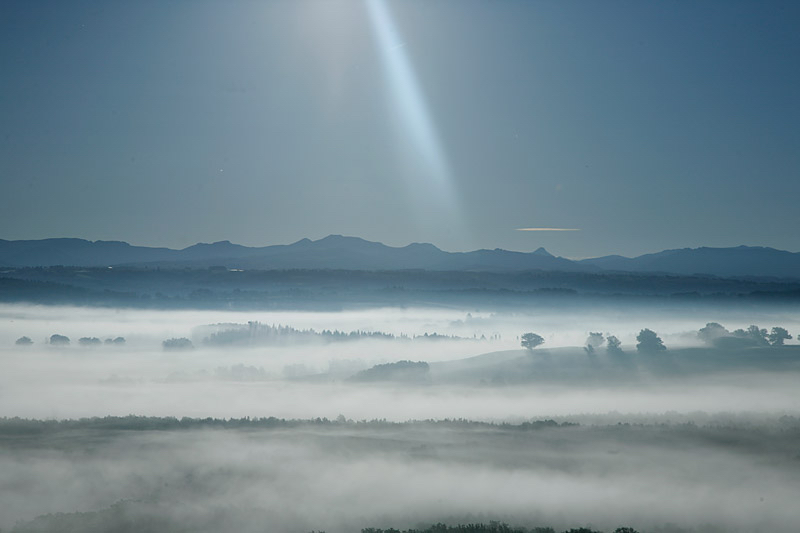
point(409, 102)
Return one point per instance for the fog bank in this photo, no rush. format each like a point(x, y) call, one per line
point(344, 477)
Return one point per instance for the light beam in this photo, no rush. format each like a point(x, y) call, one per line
point(409, 103)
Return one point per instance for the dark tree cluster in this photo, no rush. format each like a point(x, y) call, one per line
point(265, 334)
point(177, 344)
point(648, 341)
point(63, 340)
point(717, 335)
point(59, 340)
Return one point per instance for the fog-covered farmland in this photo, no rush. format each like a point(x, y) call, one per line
point(307, 431)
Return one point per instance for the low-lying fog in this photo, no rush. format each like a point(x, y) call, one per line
point(309, 379)
point(341, 478)
point(739, 474)
point(560, 326)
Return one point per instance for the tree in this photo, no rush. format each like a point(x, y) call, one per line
point(59, 339)
point(24, 341)
point(613, 345)
point(649, 342)
point(595, 339)
point(177, 344)
point(755, 334)
point(89, 341)
point(777, 336)
point(531, 340)
point(712, 332)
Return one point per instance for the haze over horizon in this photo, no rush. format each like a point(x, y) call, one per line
point(400, 245)
point(645, 126)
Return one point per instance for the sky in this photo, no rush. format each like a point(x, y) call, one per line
point(642, 125)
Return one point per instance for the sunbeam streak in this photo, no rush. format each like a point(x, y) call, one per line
point(410, 104)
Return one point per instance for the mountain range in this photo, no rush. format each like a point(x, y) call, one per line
point(352, 253)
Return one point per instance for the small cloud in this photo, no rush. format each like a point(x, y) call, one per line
point(548, 229)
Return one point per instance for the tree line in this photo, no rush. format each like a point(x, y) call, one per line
point(491, 527)
point(62, 340)
point(648, 341)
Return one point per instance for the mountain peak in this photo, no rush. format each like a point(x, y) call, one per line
point(218, 244)
point(335, 238)
point(542, 252)
point(421, 246)
point(346, 242)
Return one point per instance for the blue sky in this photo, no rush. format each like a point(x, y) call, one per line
point(645, 125)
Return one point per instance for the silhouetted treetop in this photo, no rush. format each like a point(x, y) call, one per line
point(531, 340)
point(778, 335)
point(756, 335)
point(649, 342)
point(177, 344)
point(59, 339)
point(613, 345)
point(711, 332)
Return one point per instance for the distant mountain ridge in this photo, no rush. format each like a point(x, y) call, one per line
point(332, 252)
point(755, 261)
point(353, 253)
